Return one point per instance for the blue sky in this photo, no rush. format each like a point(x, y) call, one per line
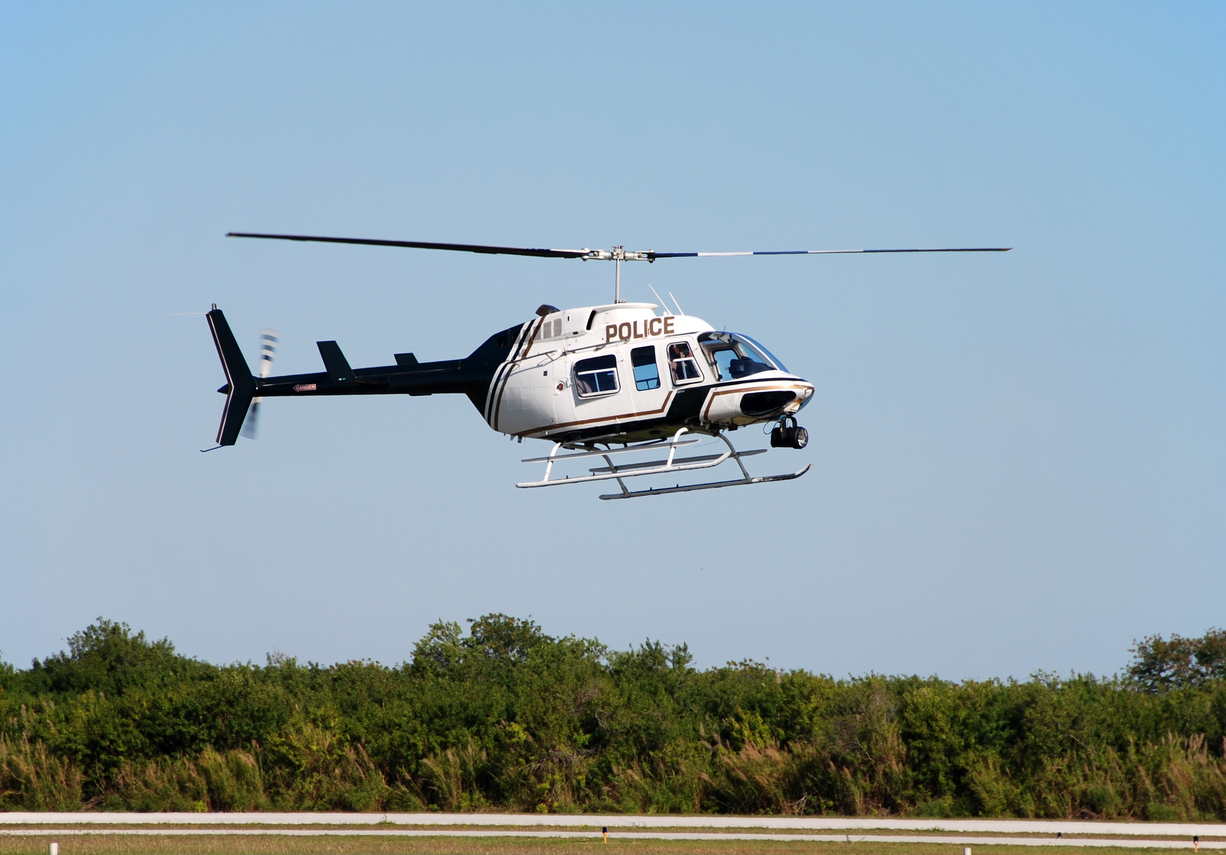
point(1018, 459)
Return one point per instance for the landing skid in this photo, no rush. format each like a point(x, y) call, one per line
point(667, 466)
point(712, 485)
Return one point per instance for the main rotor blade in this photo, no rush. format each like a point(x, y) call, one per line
point(617, 254)
point(652, 256)
point(455, 247)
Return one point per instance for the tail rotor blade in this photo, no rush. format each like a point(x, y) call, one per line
point(268, 349)
point(251, 425)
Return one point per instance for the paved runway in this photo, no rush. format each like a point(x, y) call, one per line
point(962, 832)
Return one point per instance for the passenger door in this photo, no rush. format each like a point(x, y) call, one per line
point(650, 392)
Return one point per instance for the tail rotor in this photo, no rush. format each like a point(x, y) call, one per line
point(268, 349)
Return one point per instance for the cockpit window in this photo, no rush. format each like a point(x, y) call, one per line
point(596, 376)
point(770, 357)
point(736, 356)
point(682, 364)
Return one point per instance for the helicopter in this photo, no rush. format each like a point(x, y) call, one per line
point(606, 384)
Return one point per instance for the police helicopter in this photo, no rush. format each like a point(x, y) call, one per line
point(624, 390)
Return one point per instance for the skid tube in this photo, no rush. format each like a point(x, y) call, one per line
point(671, 464)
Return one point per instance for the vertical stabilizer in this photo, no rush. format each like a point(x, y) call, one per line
point(240, 385)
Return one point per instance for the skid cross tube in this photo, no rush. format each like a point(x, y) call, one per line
point(613, 471)
point(575, 455)
point(627, 493)
point(626, 467)
point(672, 465)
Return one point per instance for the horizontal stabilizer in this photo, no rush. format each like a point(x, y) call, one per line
point(335, 362)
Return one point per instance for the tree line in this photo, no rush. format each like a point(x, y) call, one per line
point(503, 717)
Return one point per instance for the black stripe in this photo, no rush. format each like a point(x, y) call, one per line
point(495, 382)
point(496, 387)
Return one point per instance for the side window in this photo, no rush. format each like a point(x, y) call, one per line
point(596, 376)
point(682, 364)
point(646, 373)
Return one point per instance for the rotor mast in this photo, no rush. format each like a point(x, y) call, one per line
point(618, 253)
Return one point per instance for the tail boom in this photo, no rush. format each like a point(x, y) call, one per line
point(470, 376)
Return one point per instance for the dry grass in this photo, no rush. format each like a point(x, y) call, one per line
point(275, 845)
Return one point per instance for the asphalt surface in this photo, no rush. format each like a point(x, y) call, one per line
point(963, 832)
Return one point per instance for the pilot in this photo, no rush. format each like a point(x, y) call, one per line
point(681, 362)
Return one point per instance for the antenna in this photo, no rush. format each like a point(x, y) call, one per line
point(675, 303)
point(663, 305)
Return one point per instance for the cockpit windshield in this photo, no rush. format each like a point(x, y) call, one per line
point(737, 356)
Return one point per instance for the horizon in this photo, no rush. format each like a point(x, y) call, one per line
point(275, 658)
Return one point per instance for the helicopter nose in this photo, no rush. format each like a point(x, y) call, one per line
point(770, 402)
point(764, 403)
point(808, 396)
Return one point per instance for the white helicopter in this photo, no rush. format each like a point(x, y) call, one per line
point(605, 384)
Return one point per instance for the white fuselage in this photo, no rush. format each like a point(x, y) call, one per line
point(622, 372)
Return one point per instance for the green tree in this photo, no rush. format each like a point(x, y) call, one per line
point(1160, 664)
